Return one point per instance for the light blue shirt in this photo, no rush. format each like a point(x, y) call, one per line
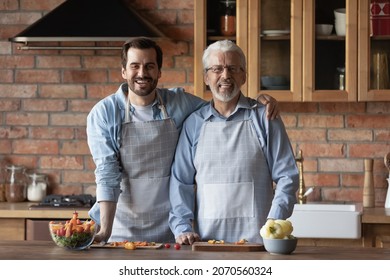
point(276, 147)
point(104, 125)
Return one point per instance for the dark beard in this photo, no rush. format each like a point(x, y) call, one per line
point(145, 91)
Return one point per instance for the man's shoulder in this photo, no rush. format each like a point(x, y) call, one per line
point(113, 102)
point(175, 93)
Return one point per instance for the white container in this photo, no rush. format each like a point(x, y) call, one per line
point(387, 202)
point(339, 23)
point(327, 221)
point(324, 29)
point(339, 13)
point(339, 27)
point(37, 187)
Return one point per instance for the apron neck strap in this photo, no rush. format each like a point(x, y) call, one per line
point(161, 106)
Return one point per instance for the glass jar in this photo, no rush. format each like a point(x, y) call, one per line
point(37, 187)
point(2, 181)
point(15, 184)
point(2, 187)
point(227, 17)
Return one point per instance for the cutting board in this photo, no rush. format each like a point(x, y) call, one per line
point(227, 247)
point(157, 246)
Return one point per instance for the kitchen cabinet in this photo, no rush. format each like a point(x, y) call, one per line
point(206, 31)
point(369, 46)
point(279, 39)
point(16, 218)
point(376, 227)
point(12, 229)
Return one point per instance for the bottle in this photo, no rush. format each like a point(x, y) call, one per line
point(37, 186)
point(379, 71)
point(228, 18)
point(368, 187)
point(387, 201)
point(340, 78)
point(15, 184)
point(2, 187)
point(2, 182)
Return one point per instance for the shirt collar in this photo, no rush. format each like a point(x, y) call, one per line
point(243, 103)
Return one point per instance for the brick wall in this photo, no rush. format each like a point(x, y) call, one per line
point(45, 96)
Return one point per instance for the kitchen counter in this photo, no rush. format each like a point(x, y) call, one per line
point(21, 210)
point(376, 227)
point(44, 250)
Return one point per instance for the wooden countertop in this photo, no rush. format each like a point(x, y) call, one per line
point(21, 210)
point(376, 216)
point(44, 250)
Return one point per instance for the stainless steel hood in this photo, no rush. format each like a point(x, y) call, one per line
point(88, 20)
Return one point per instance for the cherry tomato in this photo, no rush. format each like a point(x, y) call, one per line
point(167, 245)
point(177, 246)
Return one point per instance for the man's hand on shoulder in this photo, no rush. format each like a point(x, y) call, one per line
point(272, 105)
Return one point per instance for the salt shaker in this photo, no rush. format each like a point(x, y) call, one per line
point(37, 187)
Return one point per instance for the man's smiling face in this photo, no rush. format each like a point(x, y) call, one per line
point(141, 73)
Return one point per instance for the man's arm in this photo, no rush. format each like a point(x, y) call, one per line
point(107, 214)
point(101, 135)
point(182, 188)
point(283, 168)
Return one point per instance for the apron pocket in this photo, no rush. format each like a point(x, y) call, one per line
point(146, 195)
point(230, 200)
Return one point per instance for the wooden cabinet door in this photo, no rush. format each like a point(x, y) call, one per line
point(325, 58)
point(205, 32)
point(12, 229)
point(374, 51)
point(275, 48)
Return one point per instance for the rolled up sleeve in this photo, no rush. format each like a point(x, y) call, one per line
point(103, 138)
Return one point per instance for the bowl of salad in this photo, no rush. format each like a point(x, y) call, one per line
point(73, 234)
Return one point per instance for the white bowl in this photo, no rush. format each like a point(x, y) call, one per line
point(324, 29)
point(280, 246)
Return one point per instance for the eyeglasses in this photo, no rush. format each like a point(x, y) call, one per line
point(218, 69)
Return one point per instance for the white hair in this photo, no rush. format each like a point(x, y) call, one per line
point(223, 46)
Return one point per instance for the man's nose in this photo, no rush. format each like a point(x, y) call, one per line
point(142, 70)
point(225, 72)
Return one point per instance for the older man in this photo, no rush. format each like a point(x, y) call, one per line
point(232, 153)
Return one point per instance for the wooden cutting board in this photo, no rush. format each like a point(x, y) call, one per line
point(156, 246)
point(227, 247)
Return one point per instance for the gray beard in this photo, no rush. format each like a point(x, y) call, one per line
point(226, 97)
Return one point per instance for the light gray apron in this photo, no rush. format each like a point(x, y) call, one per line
point(147, 150)
point(234, 185)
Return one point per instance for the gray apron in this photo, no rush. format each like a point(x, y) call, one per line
point(147, 150)
point(234, 185)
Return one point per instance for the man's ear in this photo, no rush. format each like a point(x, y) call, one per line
point(206, 79)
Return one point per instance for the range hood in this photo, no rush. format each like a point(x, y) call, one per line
point(86, 21)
